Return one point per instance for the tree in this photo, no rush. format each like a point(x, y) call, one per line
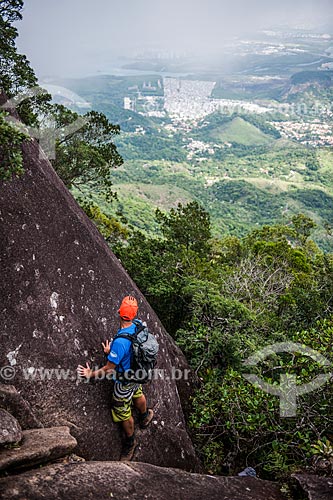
point(164, 268)
point(303, 226)
point(88, 154)
point(259, 283)
point(237, 424)
point(16, 76)
point(10, 149)
point(188, 226)
point(112, 230)
point(84, 154)
point(224, 305)
point(15, 71)
point(10, 10)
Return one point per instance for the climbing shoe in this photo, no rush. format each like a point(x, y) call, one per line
point(146, 418)
point(128, 449)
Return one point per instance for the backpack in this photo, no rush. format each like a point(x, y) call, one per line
point(143, 356)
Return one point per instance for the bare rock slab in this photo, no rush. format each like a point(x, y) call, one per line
point(315, 487)
point(12, 401)
point(132, 481)
point(61, 289)
point(10, 430)
point(38, 446)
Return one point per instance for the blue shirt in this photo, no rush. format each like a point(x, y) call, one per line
point(121, 349)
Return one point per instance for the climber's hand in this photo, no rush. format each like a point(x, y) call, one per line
point(84, 371)
point(106, 346)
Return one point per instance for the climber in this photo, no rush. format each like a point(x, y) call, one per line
point(124, 393)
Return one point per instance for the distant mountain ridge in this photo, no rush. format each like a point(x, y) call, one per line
point(235, 147)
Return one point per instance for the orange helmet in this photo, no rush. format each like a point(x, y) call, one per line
point(128, 308)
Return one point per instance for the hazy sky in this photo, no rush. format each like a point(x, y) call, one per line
point(63, 37)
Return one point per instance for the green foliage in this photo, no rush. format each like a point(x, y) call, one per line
point(188, 226)
point(236, 190)
point(10, 10)
point(15, 71)
point(246, 420)
point(89, 153)
point(16, 74)
point(262, 123)
point(149, 147)
point(322, 77)
point(110, 228)
point(157, 270)
point(83, 153)
point(11, 139)
point(279, 179)
point(238, 131)
point(323, 448)
point(213, 454)
point(228, 301)
point(161, 265)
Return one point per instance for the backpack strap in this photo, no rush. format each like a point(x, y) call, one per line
point(139, 326)
point(127, 336)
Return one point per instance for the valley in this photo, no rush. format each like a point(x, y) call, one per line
point(253, 146)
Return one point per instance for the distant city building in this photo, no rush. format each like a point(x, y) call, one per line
point(127, 103)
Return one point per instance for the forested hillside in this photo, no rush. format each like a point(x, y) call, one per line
point(247, 166)
point(223, 299)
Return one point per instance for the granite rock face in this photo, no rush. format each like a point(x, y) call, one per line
point(132, 481)
point(15, 404)
point(61, 288)
point(10, 429)
point(38, 446)
point(315, 487)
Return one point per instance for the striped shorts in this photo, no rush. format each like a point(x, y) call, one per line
point(122, 400)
